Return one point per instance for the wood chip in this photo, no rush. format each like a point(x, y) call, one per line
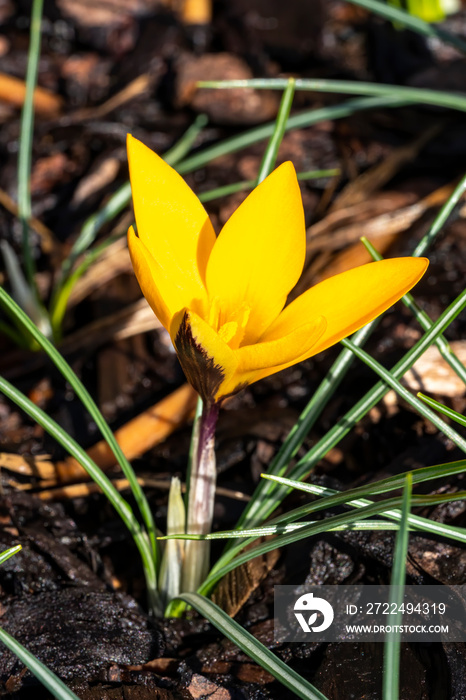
point(39, 466)
point(104, 13)
point(235, 106)
point(201, 687)
point(49, 171)
point(432, 375)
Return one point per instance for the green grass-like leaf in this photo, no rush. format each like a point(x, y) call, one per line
point(117, 202)
point(402, 391)
point(271, 152)
point(252, 647)
point(348, 87)
point(329, 385)
point(60, 301)
point(337, 522)
point(356, 497)
point(90, 405)
point(371, 398)
point(296, 121)
point(391, 660)
point(226, 190)
point(264, 493)
point(353, 498)
point(449, 412)
point(425, 322)
point(441, 218)
point(264, 505)
point(410, 22)
point(71, 446)
point(383, 508)
point(26, 139)
point(58, 689)
point(182, 147)
point(9, 553)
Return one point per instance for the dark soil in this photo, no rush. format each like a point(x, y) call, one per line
point(75, 596)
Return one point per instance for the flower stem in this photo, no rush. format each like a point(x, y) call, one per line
point(201, 500)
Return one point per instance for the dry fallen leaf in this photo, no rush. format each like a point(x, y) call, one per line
point(236, 587)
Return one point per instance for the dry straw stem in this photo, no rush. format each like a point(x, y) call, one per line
point(383, 222)
point(113, 261)
point(127, 322)
point(374, 178)
point(137, 87)
point(81, 490)
point(381, 225)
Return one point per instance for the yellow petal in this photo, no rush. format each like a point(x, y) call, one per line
point(206, 359)
point(259, 254)
point(171, 221)
point(351, 299)
point(147, 271)
point(261, 359)
point(282, 351)
point(161, 291)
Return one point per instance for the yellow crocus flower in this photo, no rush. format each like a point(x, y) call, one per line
point(222, 299)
